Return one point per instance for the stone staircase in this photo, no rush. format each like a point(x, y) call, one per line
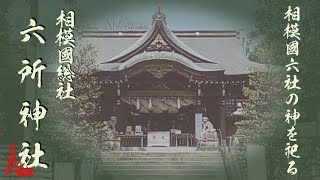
point(161, 164)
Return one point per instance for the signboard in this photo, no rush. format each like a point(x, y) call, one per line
point(159, 138)
point(198, 124)
point(175, 131)
point(138, 130)
point(128, 130)
point(178, 131)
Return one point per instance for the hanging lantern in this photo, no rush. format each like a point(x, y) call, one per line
point(178, 103)
point(138, 104)
point(150, 103)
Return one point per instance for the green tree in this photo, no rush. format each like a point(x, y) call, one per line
point(264, 120)
point(11, 92)
point(72, 128)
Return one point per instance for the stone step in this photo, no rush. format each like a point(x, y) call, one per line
point(160, 154)
point(164, 156)
point(160, 172)
point(141, 162)
point(161, 165)
point(162, 177)
point(160, 149)
point(160, 159)
point(157, 166)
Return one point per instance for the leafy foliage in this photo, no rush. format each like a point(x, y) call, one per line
point(72, 128)
point(11, 92)
point(264, 113)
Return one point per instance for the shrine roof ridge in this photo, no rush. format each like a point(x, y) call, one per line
point(178, 33)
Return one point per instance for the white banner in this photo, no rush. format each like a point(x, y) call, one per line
point(198, 125)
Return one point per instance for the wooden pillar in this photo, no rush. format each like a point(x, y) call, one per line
point(141, 141)
point(223, 118)
point(118, 93)
point(176, 137)
point(187, 140)
point(223, 113)
point(199, 94)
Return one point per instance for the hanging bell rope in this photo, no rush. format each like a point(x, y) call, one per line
point(150, 103)
point(138, 104)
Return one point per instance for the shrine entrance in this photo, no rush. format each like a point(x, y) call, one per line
point(160, 129)
point(164, 122)
point(159, 110)
point(156, 105)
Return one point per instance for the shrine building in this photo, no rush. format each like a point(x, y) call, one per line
point(159, 83)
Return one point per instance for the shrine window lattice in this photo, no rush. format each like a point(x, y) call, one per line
point(231, 105)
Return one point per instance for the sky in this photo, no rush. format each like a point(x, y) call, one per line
point(181, 14)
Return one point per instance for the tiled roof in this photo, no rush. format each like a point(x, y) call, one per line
point(163, 55)
point(226, 51)
point(217, 50)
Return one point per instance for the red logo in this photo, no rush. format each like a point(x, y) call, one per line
point(14, 166)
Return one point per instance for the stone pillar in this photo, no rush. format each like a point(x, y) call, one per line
point(256, 162)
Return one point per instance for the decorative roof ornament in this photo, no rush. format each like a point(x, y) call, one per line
point(158, 71)
point(159, 16)
point(158, 44)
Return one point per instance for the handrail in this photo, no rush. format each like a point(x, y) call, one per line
point(222, 149)
point(235, 173)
